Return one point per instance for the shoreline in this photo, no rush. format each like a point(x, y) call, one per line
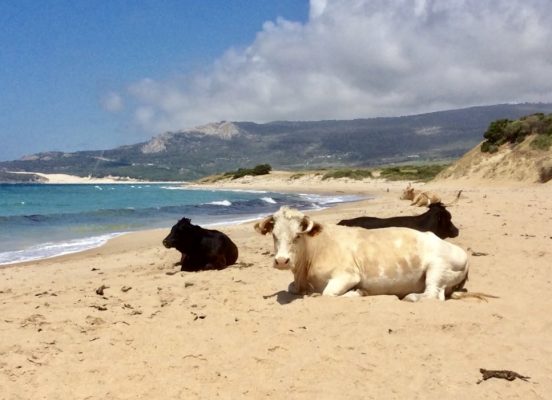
point(276, 181)
point(328, 199)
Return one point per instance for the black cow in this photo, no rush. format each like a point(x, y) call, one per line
point(437, 220)
point(201, 248)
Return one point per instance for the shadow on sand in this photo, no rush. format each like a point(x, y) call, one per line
point(284, 297)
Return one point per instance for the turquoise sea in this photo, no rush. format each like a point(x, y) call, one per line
point(40, 221)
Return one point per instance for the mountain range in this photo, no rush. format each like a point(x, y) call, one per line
point(224, 146)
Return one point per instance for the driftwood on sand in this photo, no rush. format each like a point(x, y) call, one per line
point(501, 374)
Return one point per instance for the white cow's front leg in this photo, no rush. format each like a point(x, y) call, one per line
point(429, 293)
point(434, 285)
point(341, 285)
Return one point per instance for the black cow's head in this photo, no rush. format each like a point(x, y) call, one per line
point(178, 233)
point(445, 227)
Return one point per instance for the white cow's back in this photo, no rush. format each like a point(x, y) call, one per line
point(387, 261)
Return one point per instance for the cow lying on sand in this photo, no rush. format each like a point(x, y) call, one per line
point(201, 248)
point(437, 220)
point(419, 197)
point(337, 260)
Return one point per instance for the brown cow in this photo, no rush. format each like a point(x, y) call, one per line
point(419, 197)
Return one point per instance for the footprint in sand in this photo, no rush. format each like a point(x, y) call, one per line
point(94, 321)
point(35, 320)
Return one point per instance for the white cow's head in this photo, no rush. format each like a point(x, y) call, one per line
point(289, 228)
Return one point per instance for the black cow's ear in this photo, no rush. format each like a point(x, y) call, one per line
point(265, 226)
point(184, 222)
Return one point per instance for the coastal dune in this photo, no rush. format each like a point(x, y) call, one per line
point(156, 332)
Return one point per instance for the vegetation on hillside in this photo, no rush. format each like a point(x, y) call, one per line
point(412, 172)
point(289, 145)
point(261, 169)
point(356, 174)
point(392, 173)
point(507, 131)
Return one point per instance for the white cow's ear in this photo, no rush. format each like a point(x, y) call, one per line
point(310, 227)
point(315, 230)
point(265, 226)
point(306, 224)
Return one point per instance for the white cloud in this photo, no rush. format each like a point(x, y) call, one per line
point(364, 58)
point(112, 102)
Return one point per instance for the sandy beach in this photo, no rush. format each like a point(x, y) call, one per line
point(73, 179)
point(158, 333)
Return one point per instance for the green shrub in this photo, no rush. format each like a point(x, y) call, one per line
point(505, 131)
point(488, 147)
point(357, 174)
point(261, 169)
point(515, 132)
point(296, 176)
point(216, 178)
point(542, 142)
point(495, 132)
point(412, 172)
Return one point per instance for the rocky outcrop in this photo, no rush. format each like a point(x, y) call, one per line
point(223, 130)
point(157, 144)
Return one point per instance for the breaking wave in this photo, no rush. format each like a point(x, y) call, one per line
point(42, 221)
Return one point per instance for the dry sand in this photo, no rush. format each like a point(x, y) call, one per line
point(73, 179)
point(237, 334)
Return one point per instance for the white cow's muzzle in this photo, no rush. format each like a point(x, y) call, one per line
point(282, 262)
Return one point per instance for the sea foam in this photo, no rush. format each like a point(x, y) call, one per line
point(224, 203)
point(48, 250)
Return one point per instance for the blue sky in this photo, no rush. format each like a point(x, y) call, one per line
point(91, 74)
point(58, 59)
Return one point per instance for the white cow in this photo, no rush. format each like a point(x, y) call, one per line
point(338, 260)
